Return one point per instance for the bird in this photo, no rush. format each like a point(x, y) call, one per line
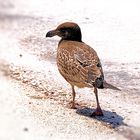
point(77, 62)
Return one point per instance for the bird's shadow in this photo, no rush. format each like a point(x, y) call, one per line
point(112, 119)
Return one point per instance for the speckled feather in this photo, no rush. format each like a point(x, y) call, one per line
point(78, 63)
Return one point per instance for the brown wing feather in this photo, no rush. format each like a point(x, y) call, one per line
point(77, 62)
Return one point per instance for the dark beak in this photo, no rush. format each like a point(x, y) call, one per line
point(52, 33)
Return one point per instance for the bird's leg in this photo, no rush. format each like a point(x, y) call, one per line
point(98, 111)
point(73, 97)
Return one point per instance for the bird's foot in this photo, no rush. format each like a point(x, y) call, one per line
point(73, 105)
point(98, 112)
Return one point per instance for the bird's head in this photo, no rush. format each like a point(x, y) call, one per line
point(67, 31)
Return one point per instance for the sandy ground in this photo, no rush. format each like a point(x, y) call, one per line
point(34, 98)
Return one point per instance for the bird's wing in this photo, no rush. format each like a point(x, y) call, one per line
point(86, 56)
point(78, 62)
point(89, 63)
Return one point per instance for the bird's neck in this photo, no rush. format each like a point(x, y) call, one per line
point(72, 39)
point(66, 39)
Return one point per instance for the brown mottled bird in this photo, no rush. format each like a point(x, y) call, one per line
point(77, 62)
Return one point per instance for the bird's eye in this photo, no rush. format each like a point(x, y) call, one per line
point(63, 30)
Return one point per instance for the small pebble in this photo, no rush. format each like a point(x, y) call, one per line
point(20, 55)
point(26, 129)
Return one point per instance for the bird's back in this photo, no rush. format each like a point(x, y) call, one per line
point(78, 63)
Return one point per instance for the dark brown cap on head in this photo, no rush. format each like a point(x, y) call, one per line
point(67, 31)
point(68, 25)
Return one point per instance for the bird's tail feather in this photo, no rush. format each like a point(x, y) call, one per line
point(107, 85)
